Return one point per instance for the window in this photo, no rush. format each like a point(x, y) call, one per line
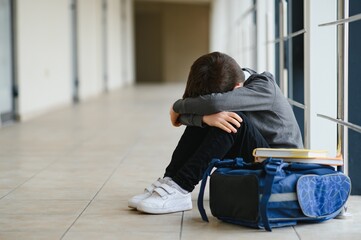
point(289, 48)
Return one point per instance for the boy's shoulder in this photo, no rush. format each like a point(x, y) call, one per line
point(265, 77)
point(255, 75)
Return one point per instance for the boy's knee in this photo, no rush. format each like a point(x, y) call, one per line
point(245, 120)
point(241, 114)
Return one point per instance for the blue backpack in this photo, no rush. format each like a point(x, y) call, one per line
point(273, 193)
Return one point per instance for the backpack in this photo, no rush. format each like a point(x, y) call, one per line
point(273, 193)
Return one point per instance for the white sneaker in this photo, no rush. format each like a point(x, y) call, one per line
point(166, 199)
point(133, 202)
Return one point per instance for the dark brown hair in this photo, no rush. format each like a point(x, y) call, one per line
point(213, 73)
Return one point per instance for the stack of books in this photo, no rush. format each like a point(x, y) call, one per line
point(297, 155)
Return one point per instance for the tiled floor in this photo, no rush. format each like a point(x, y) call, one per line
point(68, 175)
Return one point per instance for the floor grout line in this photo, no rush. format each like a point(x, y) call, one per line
point(298, 235)
point(56, 159)
point(96, 194)
point(106, 181)
point(96, 212)
point(181, 227)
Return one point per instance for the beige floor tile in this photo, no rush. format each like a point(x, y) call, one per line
point(193, 225)
point(46, 193)
point(41, 207)
point(127, 220)
point(5, 191)
point(129, 180)
point(121, 194)
point(16, 162)
point(70, 178)
point(15, 153)
point(98, 155)
point(108, 207)
point(126, 235)
point(27, 219)
point(344, 229)
point(29, 149)
point(27, 223)
point(31, 235)
point(13, 179)
point(333, 229)
point(86, 162)
point(236, 232)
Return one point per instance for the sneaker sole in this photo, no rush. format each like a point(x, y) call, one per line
point(131, 206)
point(150, 210)
point(134, 204)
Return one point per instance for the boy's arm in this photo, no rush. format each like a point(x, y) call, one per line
point(227, 121)
point(255, 96)
point(191, 120)
point(185, 119)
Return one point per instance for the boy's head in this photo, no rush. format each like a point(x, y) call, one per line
point(213, 73)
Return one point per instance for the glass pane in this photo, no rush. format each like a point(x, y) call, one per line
point(277, 45)
point(293, 54)
point(294, 16)
point(295, 68)
point(277, 61)
point(294, 51)
point(300, 116)
point(354, 97)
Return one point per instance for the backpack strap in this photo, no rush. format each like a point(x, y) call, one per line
point(272, 167)
point(201, 190)
point(238, 162)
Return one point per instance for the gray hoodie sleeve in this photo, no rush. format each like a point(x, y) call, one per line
point(256, 95)
point(191, 120)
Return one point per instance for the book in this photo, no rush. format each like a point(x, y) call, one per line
point(288, 153)
point(333, 161)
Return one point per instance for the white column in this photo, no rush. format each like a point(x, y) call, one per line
point(320, 74)
point(114, 43)
point(90, 55)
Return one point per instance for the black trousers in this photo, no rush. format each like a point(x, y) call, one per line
point(198, 146)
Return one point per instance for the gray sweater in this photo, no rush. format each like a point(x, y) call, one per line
point(260, 99)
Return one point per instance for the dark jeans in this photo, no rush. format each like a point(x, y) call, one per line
point(198, 146)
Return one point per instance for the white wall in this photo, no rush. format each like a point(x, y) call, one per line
point(117, 63)
point(233, 32)
point(321, 73)
point(128, 51)
point(90, 46)
point(114, 44)
point(218, 26)
point(44, 51)
point(265, 36)
point(120, 40)
point(43, 56)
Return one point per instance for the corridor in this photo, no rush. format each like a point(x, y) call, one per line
point(69, 173)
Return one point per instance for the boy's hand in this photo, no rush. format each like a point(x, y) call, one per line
point(174, 117)
point(227, 121)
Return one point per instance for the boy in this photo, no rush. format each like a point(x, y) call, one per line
point(226, 117)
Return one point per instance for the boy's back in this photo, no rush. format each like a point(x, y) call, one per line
point(261, 100)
